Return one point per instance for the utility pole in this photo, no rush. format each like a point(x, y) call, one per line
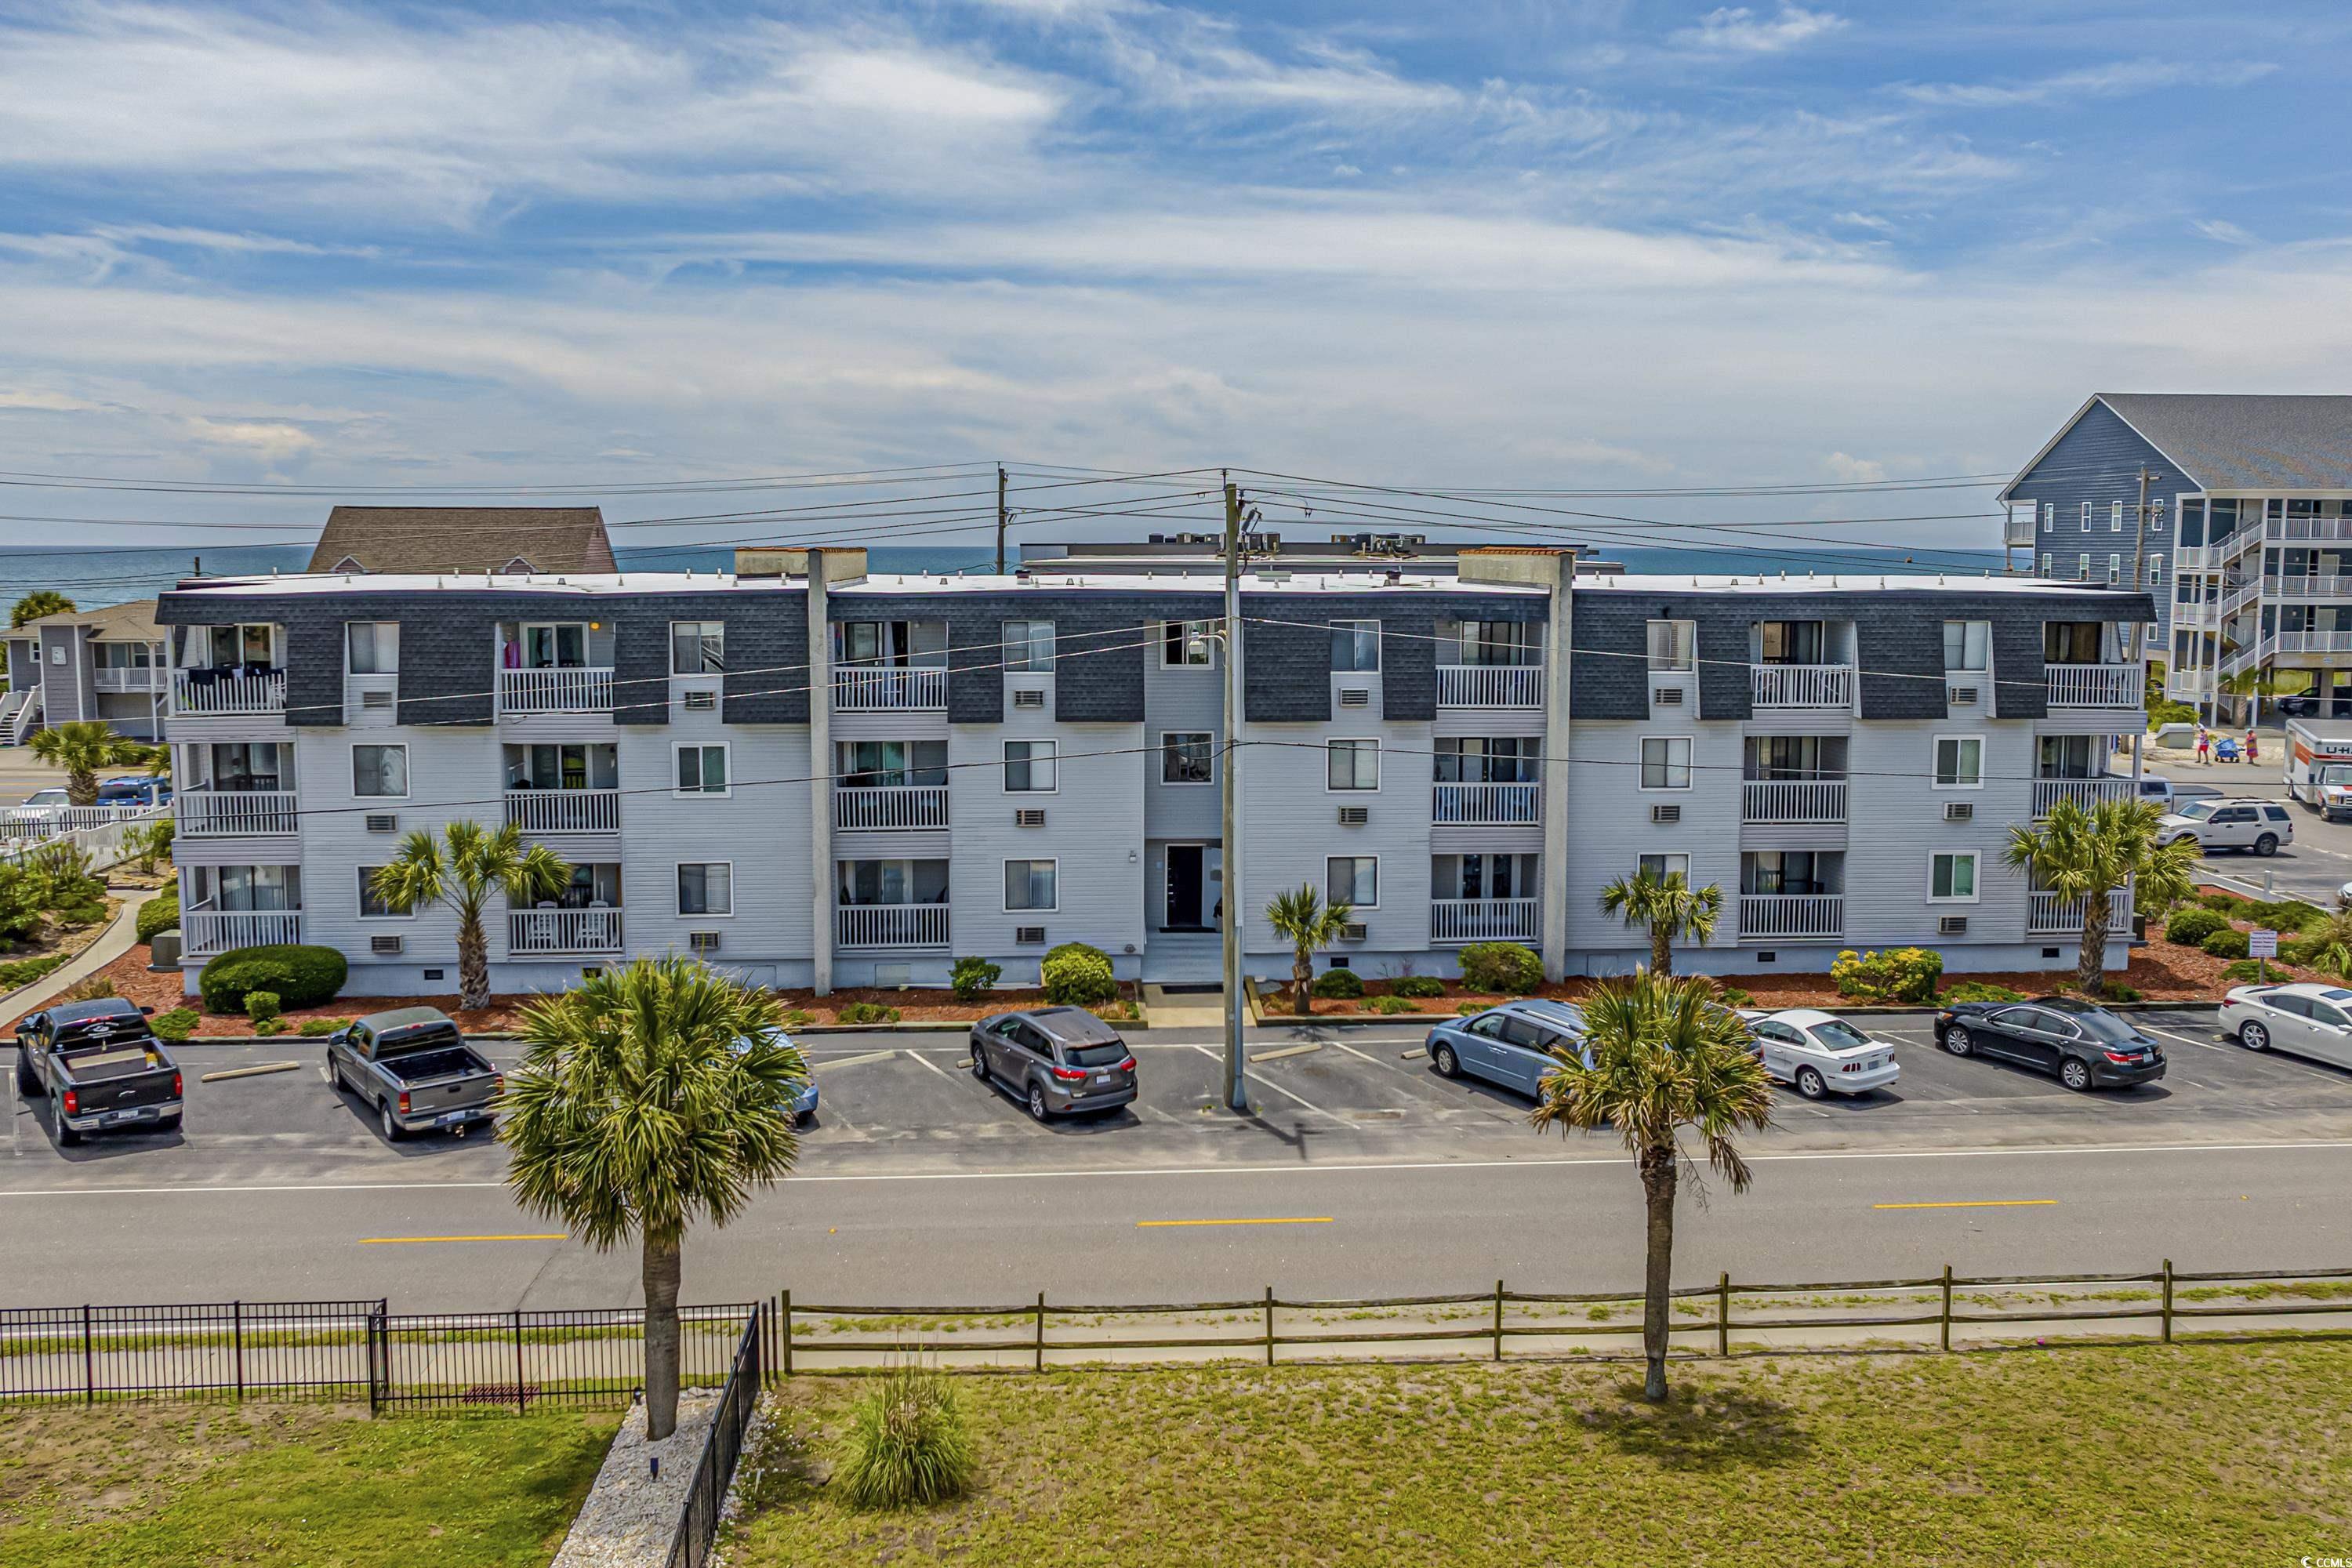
point(1236, 1004)
point(1002, 518)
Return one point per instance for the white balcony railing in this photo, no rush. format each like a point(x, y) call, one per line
point(2308, 642)
point(871, 688)
point(204, 932)
point(2196, 612)
point(1793, 800)
point(2237, 595)
point(207, 691)
point(1803, 686)
point(1763, 915)
point(2312, 587)
point(565, 810)
point(119, 678)
point(2096, 684)
point(2047, 915)
point(574, 690)
point(2085, 793)
point(1457, 921)
point(891, 807)
point(228, 812)
point(2310, 528)
point(28, 825)
point(890, 925)
point(563, 930)
point(1484, 805)
point(1490, 686)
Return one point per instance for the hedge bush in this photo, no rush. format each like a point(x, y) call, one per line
point(1340, 983)
point(1503, 967)
point(262, 1006)
point(323, 1026)
point(177, 1025)
point(1418, 986)
point(1899, 974)
point(867, 1012)
point(2225, 944)
point(1390, 1005)
point(2228, 903)
point(2241, 972)
point(1077, 975)
point(159, 913)
point(2190, 927)
point(974, 978)
point(301, 976)
point(1735, 996)
point(20, 903)
point(2284, 914)
point(1982, 991)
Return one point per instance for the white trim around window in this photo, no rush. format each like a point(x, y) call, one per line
point(1206, 740)
point(1355, 744)
point(1962, 778)
point(1050, 760)
point(1667, 865)
point(677, 889)
point(360, 893)
point(681, 791)
point(400, 746)
point(1665, 762)
point(1355, 879)
point(1975, 859)
point(1179, 635)
point(1053, 875)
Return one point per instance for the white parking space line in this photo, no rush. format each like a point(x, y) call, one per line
point(1277, 1088)
point(2185, 1039)
point(1363, 1056)
point(857, 1062)
point(919, 1057)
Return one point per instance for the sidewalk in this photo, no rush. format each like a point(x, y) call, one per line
point(118, 939)
point(1185, 1010)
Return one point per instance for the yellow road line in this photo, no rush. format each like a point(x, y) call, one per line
point(408, 1240)
point(1309, 1220)
point(1979, 1204)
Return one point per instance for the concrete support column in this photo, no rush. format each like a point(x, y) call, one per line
point(820, 690)
point(1559, 642)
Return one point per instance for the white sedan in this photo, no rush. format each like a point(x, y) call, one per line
point(1821, 1054)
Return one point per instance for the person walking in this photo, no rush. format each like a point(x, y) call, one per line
point(2253, 751)
point(2204, 746)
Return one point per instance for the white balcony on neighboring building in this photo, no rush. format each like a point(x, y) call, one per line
point(573, 690)
point(534, 932)
point(2311, 587)
point(1803, 686)
point(203, 692)
point(1454, 922)
point(1485, 805)
point(1764, 916)
point(1793, 800)
point(207, 931)
point(1490, 686)
point(2305, 642)
point(2096, 684)
point(121, 678)
point(2085, 793)
point(884, 688)
point(231, 812)
point(890, 925)
point(888, 806)
point(2046, 914)
point(2319, 527)
point(565, 810)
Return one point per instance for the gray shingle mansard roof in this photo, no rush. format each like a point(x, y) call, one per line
point(393, 539)
point(2229, 441)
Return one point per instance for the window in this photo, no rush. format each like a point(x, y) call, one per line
point(2087, 516)
point(374, 647)
point(1185, 757)
point(380, 773)
point(1355, 646)
point(1352, 764)
point(1029, 766)
point(1968, 645)
point(1029, 885)
point(2156, 517)
point(706, 887)
point(1490, 759)
point(372, 907)
point(554, 646)
point(1674, 645)
point(1666, 761)
point(1353, 880)
point(2049, 565)
point(1959, 762)
point(2115, 519)
point(1187, 644)
point(2114, 569)
point(1028, 648)
point(2083, 572)
point(697, 648)
point(2156, 572)
point(702, 769)
point(1482, 876)
point(2049, 517)
point(1952, 878)
point(1658, 868)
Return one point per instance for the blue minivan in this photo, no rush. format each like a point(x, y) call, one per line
point(1510, 1045)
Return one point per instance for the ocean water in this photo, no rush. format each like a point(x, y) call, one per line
point(93, 578)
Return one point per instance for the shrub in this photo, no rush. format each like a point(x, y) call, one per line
point(75, 913)
point(1418, 986)
point(1982, 991)
point(159, 913)
point(1077, 975)
point(2227, 903)
point(1899, 974)
point(25, 971)
point(906, 1446)
point(1505, 968)
point(2170, 710)
point(323, 1026)
point(301, 976)
point(798, 1018)
point(1390, 1005)
point(89, 988)
point(1734, 997)
point(974, 978)
point(262, 1006)
point(149, 844)
point(64, 884)
point(2225, 944)
point(1344, 982)
point(268, 1026)
point(866, 1013)
point(177, 1025)
point(1467, 1008)
point(20, 902)
point(2190, 927)
point(2241, 970)
point(2284, 914)
point(2116, 991)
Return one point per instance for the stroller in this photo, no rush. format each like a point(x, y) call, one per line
point(2225, 750)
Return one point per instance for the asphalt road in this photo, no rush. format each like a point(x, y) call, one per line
point(1360, 1172)
point(2314, 867)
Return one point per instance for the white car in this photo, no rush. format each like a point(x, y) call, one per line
point(41, 806)
point(1820, 1053)
point(2261, 826)
point(2312, 1021)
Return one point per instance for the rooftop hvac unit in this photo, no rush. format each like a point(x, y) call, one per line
point(1355, 697)
point(1960, 810)
point(383, 822)
point(1964, 695)
point(700, 702)
point(702, 940)
point(377, 700)
point(1952, 925)
point(1031, 696)
point(1355, 816)
point(384, 946)
point(1665, 814)
point(1029, 816)
point(1666, 696)
point(1029, 936)
point(1354, 931)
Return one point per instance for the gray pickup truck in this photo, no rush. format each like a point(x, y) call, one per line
point(413, 1066)
point(103, 1064)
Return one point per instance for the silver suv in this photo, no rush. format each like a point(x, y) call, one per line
point(1056, 1059)
point(2261, 826)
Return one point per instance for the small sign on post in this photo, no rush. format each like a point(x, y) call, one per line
point(2261, 946)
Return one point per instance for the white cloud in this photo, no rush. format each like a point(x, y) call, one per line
point(270, 440)
point(2118, 78)
point(2223, 230)
point(1736, 29)
point(1853, 471)
point(43, 402)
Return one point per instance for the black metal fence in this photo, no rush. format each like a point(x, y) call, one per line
point(586, 1356)
point(739, 1401)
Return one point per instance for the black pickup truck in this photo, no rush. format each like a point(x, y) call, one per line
point(413, 1066)
point(104, 1066)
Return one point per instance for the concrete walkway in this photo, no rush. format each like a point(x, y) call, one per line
point(1185, 1010)
point(112, 943)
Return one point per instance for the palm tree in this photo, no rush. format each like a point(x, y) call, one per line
point(1310, 923)
point(1669, 906)
point(2328, 948)
point(2083, 856)
point(650, 1097)
point(1666, 1054)
point(82, 747)
point(462, 870)
point(39, 603)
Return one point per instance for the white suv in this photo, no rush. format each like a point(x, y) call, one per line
point(2261, 826)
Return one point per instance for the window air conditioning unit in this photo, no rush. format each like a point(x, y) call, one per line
point(1665, 814)
point(1029, 936)
point(1354, 931)
point(1031, 696)
point(1952, 925)
point(376, 700)
point(702, 940)
point(700, 702)
point(1964, 695)
point(1960, 810)
point(1029, 816)
point(384, 946)
point(1666, 696)
point(1355, 697)
point(383, 822)
point(1355, 816)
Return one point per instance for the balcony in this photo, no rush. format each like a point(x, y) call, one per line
point(890, 806)
point(1484, 805)
point(2321, 528)
point(203, 692)
point(2047, 915)
point(205, 932)
point(1490, 686)
point(1802, 686)
point(1793, 800)
point(233, 813)
point(2096, 684)
point(120, 677)
point(2312, 587)
point(1454, 922)
point(582, 690)
point(565, 810)
point(890, 925)
point(890, 687)
point(1764, 916)
point(530, 932)
point(2306, 642)
point(2085, 793)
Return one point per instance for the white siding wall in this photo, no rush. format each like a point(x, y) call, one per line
point(1189, 698)
point(1609, 829)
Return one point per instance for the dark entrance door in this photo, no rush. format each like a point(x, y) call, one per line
point(1184, 886)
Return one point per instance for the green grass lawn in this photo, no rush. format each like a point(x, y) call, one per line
point(2209, 1454)
point(146, 1486)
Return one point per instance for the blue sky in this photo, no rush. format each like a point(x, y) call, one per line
point(1584, 245)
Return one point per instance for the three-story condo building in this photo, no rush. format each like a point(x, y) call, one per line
point(817, 776)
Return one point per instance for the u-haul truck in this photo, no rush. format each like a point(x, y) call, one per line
point(2319, 765)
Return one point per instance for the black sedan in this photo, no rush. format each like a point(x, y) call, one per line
point(2087, 1047)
